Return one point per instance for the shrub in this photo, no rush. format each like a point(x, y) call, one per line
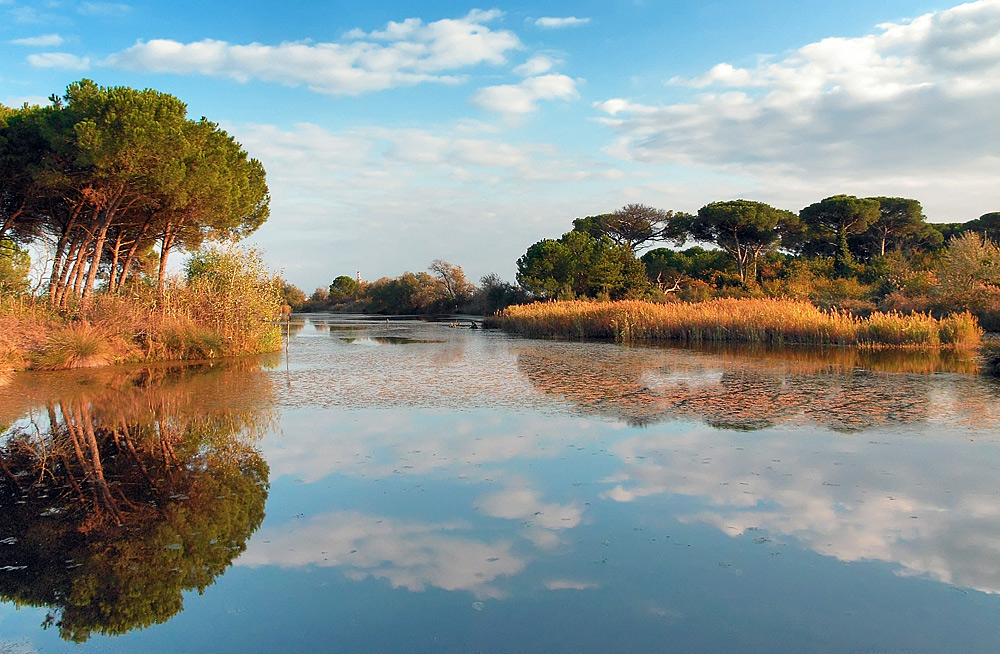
point(230, 291)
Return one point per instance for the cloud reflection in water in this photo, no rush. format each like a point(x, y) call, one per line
point(407, 554)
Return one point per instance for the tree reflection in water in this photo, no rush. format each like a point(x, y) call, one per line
point(122, 491)
point(753, 388)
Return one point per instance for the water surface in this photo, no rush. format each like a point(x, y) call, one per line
point(407, 486)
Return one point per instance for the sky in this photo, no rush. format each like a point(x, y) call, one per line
point(394, 133)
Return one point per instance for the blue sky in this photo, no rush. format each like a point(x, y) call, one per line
point(394, 134)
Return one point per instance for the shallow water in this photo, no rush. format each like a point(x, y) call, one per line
point(431, 489)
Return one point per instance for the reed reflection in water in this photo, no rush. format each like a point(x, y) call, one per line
point(122, 490)
point(754, 388)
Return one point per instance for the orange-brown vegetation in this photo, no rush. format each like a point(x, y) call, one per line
point(751, 320)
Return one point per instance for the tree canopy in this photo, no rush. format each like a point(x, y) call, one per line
point(634, 226)
point(579, 265)
point(743, 228)
point(828, 223)
point(107, 175)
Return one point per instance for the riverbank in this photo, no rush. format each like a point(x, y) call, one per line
point(768, 321)
point(188, 321)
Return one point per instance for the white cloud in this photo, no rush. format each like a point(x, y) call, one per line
point(44, 41)
point(620, 105)
point(523, 98)
point(106, 9)
point(541, 520)
point(60, 60)
point(912, 104)
point(537, 65)
point(382, 195)
point(403, 54)
point(551, 23)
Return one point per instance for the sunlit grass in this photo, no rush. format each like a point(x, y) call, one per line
point(770, 321)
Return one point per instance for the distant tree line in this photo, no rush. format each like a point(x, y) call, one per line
point(112, 181)
point(854, 253)
point(441, 290)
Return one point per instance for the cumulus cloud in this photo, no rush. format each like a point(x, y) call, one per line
point(553, 23)
point(60, 60)
point(915, 100)
point(403, 54)
point(44, 41)
point(537, 65)
point(523, 98)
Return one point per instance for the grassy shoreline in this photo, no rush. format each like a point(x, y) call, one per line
point(767, 321)
point(227, 305)
point(118, 331)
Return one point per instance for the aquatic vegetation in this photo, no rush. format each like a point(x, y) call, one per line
point(752, 320)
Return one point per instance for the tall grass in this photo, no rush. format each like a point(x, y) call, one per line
point(769, 321)
point(228, 309)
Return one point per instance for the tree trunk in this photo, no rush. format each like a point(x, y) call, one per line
point(82, 255)
point(115, 252)
point(65, 274)
point(102, 235)
point(131, 253)
point(167, 241)
point(8, 223)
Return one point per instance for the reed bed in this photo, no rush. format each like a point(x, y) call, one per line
point(767, 321)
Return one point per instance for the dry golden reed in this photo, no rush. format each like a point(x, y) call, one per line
point(770, 321)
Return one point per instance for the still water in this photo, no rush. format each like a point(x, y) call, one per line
point(411, 487)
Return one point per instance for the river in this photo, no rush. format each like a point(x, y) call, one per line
point(403, 486)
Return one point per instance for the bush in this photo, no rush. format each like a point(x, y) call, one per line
point(230, 291)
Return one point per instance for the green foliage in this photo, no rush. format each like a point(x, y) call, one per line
point(669, 268)
point(15, 264)
point(900, 223)
point(743, 228)
point(291, 294)
point(634, 226)
point(828, 223)
point(342, 289)
point(109, 174)
point(579, 265)
point(988, 225)
point(410, 293)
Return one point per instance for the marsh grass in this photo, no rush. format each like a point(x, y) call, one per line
point(207, 317)
point(765, 321)
point(77, 345)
